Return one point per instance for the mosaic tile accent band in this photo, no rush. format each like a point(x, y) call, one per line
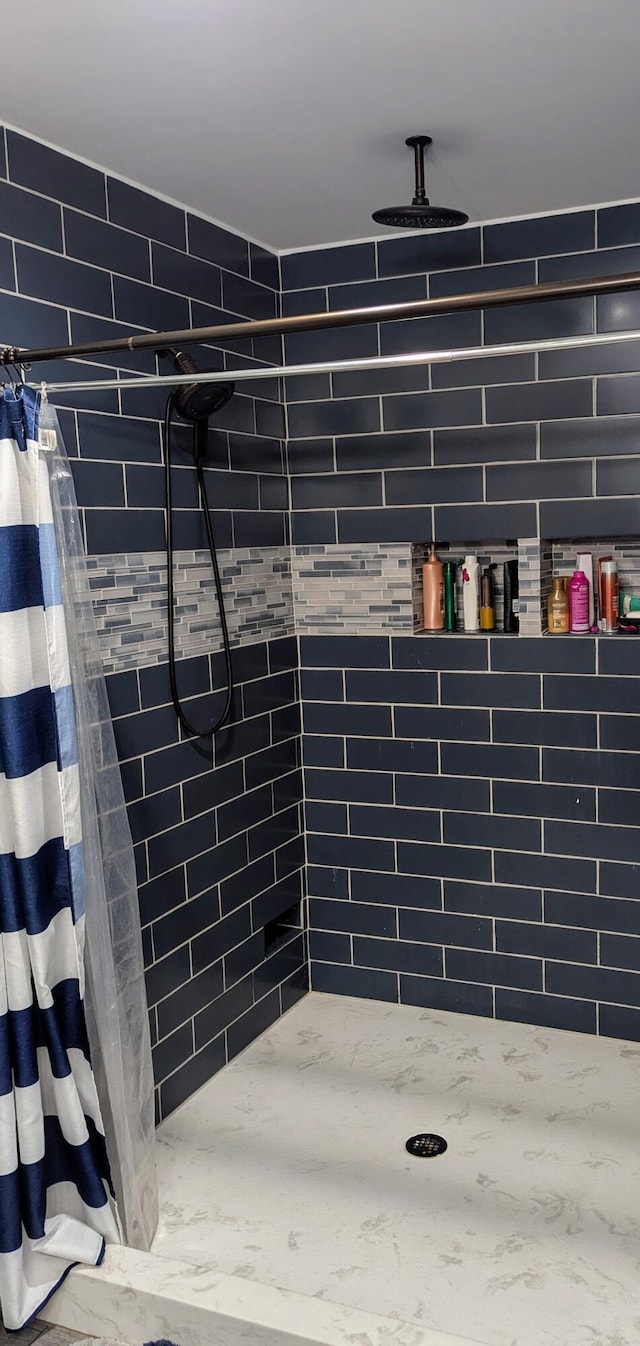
point(352, 590)
point(371, 589)
point(130, 602)
point(534, 581)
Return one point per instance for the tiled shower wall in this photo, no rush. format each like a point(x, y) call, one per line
point(130, 602)
point(218, 841)
point(472, 803)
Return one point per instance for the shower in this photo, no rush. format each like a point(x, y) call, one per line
point(195, 403)
point(420, 214)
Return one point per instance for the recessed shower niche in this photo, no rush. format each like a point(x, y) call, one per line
point(493, 554)
point(538, 561)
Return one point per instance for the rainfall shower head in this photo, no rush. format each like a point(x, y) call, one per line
point(420, 214)
point(198, 401)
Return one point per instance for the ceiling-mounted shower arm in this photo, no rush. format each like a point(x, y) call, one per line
point(417, 144)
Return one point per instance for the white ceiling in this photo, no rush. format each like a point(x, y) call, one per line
point(285, 119)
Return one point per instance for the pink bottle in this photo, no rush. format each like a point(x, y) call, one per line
point(579, 603)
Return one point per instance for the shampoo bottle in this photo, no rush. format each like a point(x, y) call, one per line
point(584, 562)
point(610, 598)
point(450, 622)
point(471, 593)
point(579, 603)
point(433, 592)
point(558, 608)
point(511, 596)
point(601, 561)
point(488, 602)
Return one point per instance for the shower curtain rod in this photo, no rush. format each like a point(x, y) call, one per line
point(346, 366)
point(313, 322)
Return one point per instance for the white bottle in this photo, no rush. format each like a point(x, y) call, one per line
point(471, 593)
point(584, 562)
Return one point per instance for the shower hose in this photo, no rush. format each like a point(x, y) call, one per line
point(199, 446)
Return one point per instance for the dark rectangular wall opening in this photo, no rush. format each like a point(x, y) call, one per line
point(281, 928)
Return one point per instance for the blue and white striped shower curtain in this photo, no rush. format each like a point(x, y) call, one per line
point(56, 1202)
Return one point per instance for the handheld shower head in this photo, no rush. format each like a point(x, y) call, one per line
point(195, 402)
point(198, 401)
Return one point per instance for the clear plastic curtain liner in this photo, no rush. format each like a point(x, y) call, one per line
point(57, 1208)
point(115, 997)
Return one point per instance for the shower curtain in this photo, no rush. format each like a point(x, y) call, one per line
point(76, 1090)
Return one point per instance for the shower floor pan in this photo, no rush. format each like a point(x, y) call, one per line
point(291, 1210)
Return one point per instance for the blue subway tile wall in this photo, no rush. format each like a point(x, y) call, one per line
point(472, 840)
point(55, 175)
point(566, 405)
point(214, 830)
point(446, 781)
point(444, 773)
point(217, 835)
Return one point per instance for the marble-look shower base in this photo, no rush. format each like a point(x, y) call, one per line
point(289, 1170)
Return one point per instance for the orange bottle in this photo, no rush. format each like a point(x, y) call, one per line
point(433, 591)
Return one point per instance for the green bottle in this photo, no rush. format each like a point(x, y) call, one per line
point(450, 596)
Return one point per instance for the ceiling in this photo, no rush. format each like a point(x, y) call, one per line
point(286, 119)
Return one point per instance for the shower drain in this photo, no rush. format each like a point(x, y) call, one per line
point(426, 1145)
